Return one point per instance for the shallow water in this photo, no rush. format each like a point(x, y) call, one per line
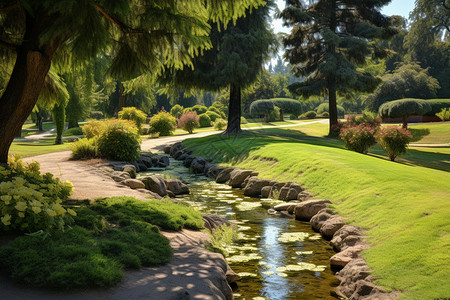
point(276, 256)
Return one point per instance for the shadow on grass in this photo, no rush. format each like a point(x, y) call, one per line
point(418, 133)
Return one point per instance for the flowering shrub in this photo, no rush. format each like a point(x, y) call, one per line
point(359, 138)
point(164, 123)
point(92, 128)
point(31, 201)
point(119, 140)
point(133, 114)
point(188, 121)
point(394, 140)
point(220, 124)
point(204, 120)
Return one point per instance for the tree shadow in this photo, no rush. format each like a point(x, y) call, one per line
point(418, 133)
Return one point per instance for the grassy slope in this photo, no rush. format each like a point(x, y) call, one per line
point(406, 208)
point(433, 133)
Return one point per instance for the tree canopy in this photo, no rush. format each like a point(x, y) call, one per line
point(404, 108)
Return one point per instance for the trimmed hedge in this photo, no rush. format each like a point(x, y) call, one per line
point(325, 107)
point(437, 105)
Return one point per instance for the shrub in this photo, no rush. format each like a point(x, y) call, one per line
point(189, 121)
point(73, 131)
point(31, 201)
point(444, 114)
point(325, 107)
point(217, 110)
point(359, 138)
point(92, 128)
point(212, 115)
point(274, 115)
point(97, 115)
point(403, 109)
point(437, 105)
point(287, 105)
point(177, 111)
point(204, 120)
point(163, 123)
point(261, 107)
point(243, 120)
point(187, 109)
point(293, 117)
point(394, 140)
point(325, 114)
point(133, 114)
point(84, 148)
point(119, 140)
point(199, 109)
point(220, 124)
point(309, 115)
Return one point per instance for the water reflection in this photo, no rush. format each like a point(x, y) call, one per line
point(272, 265)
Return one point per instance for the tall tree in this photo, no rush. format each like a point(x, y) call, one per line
point(144, 36)
point(237, 55)
point(329, 38)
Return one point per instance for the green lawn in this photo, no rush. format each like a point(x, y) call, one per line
point(431, 133)
point(42, 146)
point(405, 206)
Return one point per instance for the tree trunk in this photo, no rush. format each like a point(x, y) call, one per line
point(32, 64)
point(405, 122)
point(281, 115)
point(331, 79)
point(59, 116)
point(234, 110)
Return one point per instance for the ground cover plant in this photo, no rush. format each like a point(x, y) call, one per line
point(107, 237)
point(404, 207)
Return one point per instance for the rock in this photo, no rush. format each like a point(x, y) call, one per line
point(284, 206)
point(155, 184)
point(130, 169)
point(292, 207)
point(119, 176)
point(346, 236)
point(208, 166)
point(163, 161)
point(224, 175)
point(134, 183)
point(198, 165)
point(237, 177)
point(339, 260)
point(330, 226)
point(176, 186)
point(170, 194)
point(292, 194)
point(177, 154)
point(214, 171)
point(306, 209)
point(304, 195)
point(265, 191)
point(283, 193)
point(142, 166)
point(231, 275)
point(188, 161)
point(147, 161)
point(318, 219)
point(273, 182)
point(183, 156)
point(254, 186)
point(272, 211)
point(296, 187)
point(213, 221)
point(154, 195)
point(175, 147)
point(167, 148)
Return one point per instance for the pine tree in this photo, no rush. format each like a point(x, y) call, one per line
point(328, 40)
point(143, 36)
point(236, 58)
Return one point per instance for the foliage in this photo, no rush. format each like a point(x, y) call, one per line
point(92, 129)
point(437, 105)
point(188, 121)
point(221, 239)
point(309, 115)
point(59, 117)
point(407, 81)
point(84, 148)
point(291, 106)
point(325, 114)
point(204, 120)
point(218, 108)
point(293, 117)
point(73, 131)
point(97, 115)
point(133, 114)
point(393, 140)
point(220, 124)
point(31, 201)
point(359, 138)
point(274, 115)
point(176, 111)
point(119, 140)
point(325, 107)
point(404, 108)
point(243, 120)
point(444, 114)
point(164, 123)
point(213, 116)
point(261, 107)
point(199, 109)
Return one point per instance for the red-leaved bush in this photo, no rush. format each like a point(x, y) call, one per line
point(359, 138)
point(393, 140)
point(188, 121)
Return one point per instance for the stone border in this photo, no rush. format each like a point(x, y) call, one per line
point(356, 281)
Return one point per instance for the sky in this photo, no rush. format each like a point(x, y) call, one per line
point(395, 7)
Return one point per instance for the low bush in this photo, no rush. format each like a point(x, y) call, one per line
point(92, 128)
point(73, 131)
point(274, 115)
point(84, 148)
point(199, 109)
point(119, 140)
point(359, 138)
point(243, 120)
point(309, 115)
point(97, 115)
point(293, 117)
point(325, 114)
point(220, 124)
point(212, 115)
point(31, 201)
point(176, 111)
point(189, 121)
point(220, 111)
point(444, 114)
point(325, 107)
point(204, 120)
point(393, 140)
point(133, 114)
point(164, 123)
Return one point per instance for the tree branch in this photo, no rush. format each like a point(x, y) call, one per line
point(8, 45)
point(116, 22)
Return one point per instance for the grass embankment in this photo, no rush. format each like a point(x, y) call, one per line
point(404, 207)
point(113, 234)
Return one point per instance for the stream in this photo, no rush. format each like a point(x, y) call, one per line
point(276, 256)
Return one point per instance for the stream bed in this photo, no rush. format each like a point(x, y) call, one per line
point(276, 256)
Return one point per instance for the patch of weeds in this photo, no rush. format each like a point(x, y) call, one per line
point(222, 239)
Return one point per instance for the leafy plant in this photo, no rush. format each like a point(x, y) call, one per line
point(444, 114)
point(243, 120)
point(309, 115)
point(92, 128)
point(221, 239)
point(204, 120)
point(394, 140)
point(73, 131)
point(164, 123)
point(176, 111)
point(189, 121)
point(359, 138)
point(84, 148)
point(213, 115)
point(404, 108)
point(220, 124)
point(133, 114)
point(274, 115)
point(199, 109)
point(119, 140)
